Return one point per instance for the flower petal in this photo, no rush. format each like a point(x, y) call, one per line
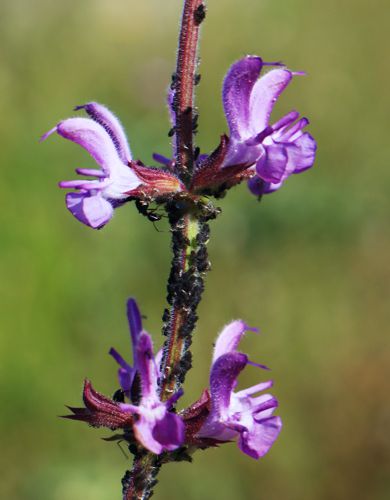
point(256, 185)
point(146, 366)
point(239, 153)
point(169, 431)
point(93, 211)
point(126, 373)
point(303, 154)
point(135, 324)
point(229, 338)
point(143, 430)
point(264, 95)
point(223, 379)
point(271, 167)
point(257, 441)
point(270, 187)
point(92, 137)
point(237, 88)
point(262, 386)
point(111, 125)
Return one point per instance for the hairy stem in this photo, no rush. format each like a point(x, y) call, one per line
point(190, 233)
point(139, 482)
point(184, 81)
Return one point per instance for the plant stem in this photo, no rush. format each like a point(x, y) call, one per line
point(190, 233)
point(139, 482)
point(184, 81)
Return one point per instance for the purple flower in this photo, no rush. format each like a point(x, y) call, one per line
point(238, 414)
point(119, 179)
point(151, 420)
point(275, 151)
point(156, 427)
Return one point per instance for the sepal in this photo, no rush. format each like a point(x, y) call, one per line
point(155, 183)
point(211, 178)
point(100, 411)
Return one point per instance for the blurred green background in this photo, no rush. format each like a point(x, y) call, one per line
point(309, 265)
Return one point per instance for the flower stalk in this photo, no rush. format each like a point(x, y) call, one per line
point(138, 483)
point(190, 234)
point(183, 86)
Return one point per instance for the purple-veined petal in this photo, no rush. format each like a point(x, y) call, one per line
point(223, 379)
point(264, 95)
point(230, 337)
point(146, 366)
point(93, 211)
point(258, 440)
point(111, 125)
point(271, 167)
point(237, 88)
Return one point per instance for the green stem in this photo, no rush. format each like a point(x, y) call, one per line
point(185, 286)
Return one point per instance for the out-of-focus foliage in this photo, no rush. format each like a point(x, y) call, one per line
point(309, 264)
